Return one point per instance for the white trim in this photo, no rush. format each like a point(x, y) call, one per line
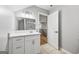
point(42, 13)
point(67, 52)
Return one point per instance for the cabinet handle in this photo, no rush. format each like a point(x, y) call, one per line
point(18, 39)
point(55, 31)
point(33, 42)
point(18, 47)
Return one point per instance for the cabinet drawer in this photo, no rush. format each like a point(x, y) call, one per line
point(18, 43)
point(18, 50)
point(32, 37)
point(18, 39)
point(18, 46)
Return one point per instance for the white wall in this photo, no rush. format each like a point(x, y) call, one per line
point(70, 27)
point(6, 25)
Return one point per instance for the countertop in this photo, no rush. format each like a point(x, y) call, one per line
point(23, 33)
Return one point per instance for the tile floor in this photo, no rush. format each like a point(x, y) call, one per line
point(48, 49)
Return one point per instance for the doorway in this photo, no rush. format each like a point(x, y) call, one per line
point(43, 28)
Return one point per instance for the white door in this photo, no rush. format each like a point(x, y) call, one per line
point(53, 29)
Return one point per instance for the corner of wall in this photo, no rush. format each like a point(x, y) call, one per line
point(65, 51)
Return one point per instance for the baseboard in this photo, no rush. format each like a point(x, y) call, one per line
point(3, 52)
point(65, 51)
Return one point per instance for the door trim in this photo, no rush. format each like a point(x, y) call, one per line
point(41, 13)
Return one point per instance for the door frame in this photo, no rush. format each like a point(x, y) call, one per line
point(60, 29)
point(41, 13)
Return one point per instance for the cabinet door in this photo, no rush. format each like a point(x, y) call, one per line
point(32, 44)
point(36, 47)
point(28, 46)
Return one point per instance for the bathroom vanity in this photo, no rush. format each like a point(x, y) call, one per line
point(24, 43)
point(25, 39)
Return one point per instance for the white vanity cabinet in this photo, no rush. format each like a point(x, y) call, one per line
point(27, 44)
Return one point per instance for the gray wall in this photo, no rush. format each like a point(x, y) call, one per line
point(70, 27)
point(6, 25)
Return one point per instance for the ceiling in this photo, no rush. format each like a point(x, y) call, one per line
point(18, 7)
point(47, 7)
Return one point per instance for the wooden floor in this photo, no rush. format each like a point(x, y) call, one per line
point(48, 49)
point(43, 39)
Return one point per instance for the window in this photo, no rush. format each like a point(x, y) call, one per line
point(25, 21)
point(30, 24)
point(21, 24)
point(26, 24)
